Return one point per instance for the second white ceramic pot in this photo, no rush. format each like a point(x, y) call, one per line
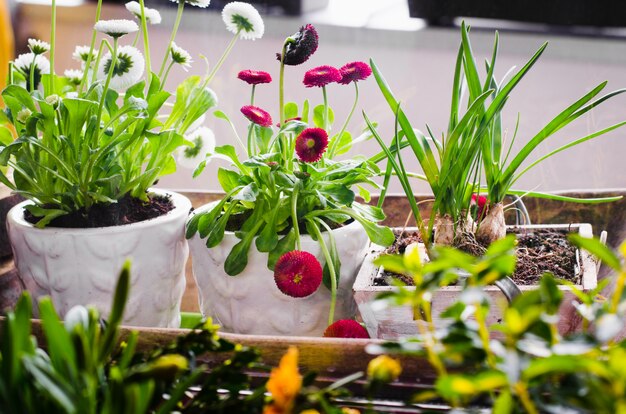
point(250, 303)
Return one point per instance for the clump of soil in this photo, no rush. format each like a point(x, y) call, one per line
point(126, 211)
point(541, 251)
point(538, 251)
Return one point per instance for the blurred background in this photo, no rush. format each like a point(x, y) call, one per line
point(414, 42)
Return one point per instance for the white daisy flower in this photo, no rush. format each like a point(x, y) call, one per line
point(180, 56)
point(77, 316)
point(81, 54)
point(129, 68)
point(152, 15)
point(71, 95)
point(203, 141)
point(198, 3)
point(73, 76)
point(116, 28)
point(38, 47)
point(41, 67)
point(244, 19)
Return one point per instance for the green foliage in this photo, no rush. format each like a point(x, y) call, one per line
point(522, 364)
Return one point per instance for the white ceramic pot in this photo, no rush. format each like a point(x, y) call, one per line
point(81, 266)
point(250, 303)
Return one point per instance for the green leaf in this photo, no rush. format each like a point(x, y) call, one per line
point(46, 214)
point(237, 259)
point(596, 248)
point(268, 238)
point(318, 116)
point(291, 110)
point(286, 244)
point(248, 193)
point(228, 179)
point(342, 144)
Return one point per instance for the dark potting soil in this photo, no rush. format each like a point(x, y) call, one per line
point(126, 211)
point(538, 251)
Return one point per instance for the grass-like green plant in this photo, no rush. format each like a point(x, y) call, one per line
point(530, 367)
point(502, 166)
point(474, 147)
point(96, 135)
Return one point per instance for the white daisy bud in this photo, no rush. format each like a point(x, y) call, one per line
point(129, 68)
point(52, 100)
point(77, 316)
point(203, 141)
point(180, 56)
point(38, 47)
point(244, 19)
point(23, 115)
point(73, 76)
point(152, 15)
point(116, 28)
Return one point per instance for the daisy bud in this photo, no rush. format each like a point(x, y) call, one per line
point(481, 203)
point(23, 115)
point(298, 274)
point(384, 369)
point(346, 328)
point(52, 100)
point(243, 18)
point(76, 316)
point(38, 47)
point(311, 144)
point(152, 15)
point(73, 76)
point(257, 115)
point(116, 28)
point(354, 72)
point(254, 77)
point(302, 45)
point(180, 56)
point(321, 76)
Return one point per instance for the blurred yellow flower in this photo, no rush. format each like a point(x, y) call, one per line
point(383, 368)
point(284, 384)
point(346, 410)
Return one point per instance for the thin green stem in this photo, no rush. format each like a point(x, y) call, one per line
point(331, 268)
point(146, 42)
point(91, 47)
point(108, 80)
point(167, 72)
point(222, 59)
point(179, 16)
point(249, 140)
point(331, 153)
point(281, 82)
point(294, 216)
point(252, 95)
point(31, 75)
point(136, 39)
point(326, 120)
point(53, 32)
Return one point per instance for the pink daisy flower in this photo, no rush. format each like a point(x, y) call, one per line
point(254, 77)
point(298, 274)
point(311, 144)
point(257, 115)
point(346, 328)
point(321, 76)
point(354, 72)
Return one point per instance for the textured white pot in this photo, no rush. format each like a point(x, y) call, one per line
point(80, 266)
point(250, 303)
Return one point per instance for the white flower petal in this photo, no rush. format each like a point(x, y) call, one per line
point(152, 15)
point(25, 60)
point(38, 47)
point(608, 326)
point(180, 56)
point(198, 3)
point(81, 53)
point(74, 76)
point(133, 63)
point(243, 18)
point(116, 28)
point(204, 143)
point(78, 315)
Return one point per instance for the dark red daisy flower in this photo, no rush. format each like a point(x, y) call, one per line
point(298, 274)
point(346, 328)
point(354, 72)
point(311, 144)
point(297, 118)
point(481, 203)
point(254, 77)
point(304, 44)
point(321, 76)
point(257, 115)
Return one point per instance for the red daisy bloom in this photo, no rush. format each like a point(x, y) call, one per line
point(321, 76)
point(346, 328)
point(298, 274)
point(481, 203)
point(311, 144)
point(303, 45)
point(257, 115)
point(354, 72)
point(254, 77)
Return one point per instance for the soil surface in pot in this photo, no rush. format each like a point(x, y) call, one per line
point(538, 251)
point(126, 211)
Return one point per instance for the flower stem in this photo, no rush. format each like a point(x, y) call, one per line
point(252, 95)
point(31, 75)
point(108, 80)
point(326, 120)
point(179, 16)
point(146, 42)
point(53, 31)
point(167, 72)
point(331, 152)
point(251, 126)
point(222, 59)
point(91, 47)
point(294, 216)
point(331, 268)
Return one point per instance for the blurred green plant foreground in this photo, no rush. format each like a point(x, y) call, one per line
point(529, 368)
